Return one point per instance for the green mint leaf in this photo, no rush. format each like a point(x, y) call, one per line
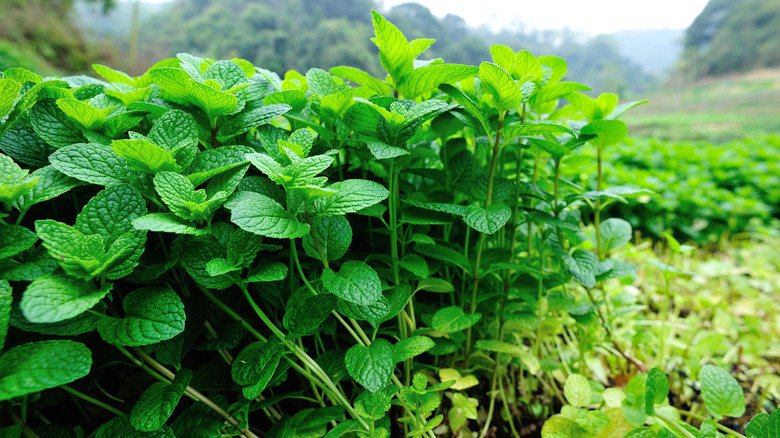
point(383, 151)
point(112, 75)
point(83, 113)
point(14, 181)
point(212, 101)
point(607, 132)
point(152, 314)
point(177, 191)
point(227, 73)
point(372, 366)
point(265, 272)
point(395, 52)
point(25, 146)
point(634, 404)
point(410, 347)
point(9, 91)
point(198, 420)
point(167, 223)
point(172, 80)
point(532, 129)
point(754, 428)
point(145, 156)
point(254, 367)
point(110, 214)
point(321, 82)
point(51, 183)
point(428, 78)
point(499, 346)
point(615, 233)
point(157, 403)
point(374, 313)
point(296, 99)
point(121, 426)
point(525, 65)
point(334, 235)
point(577, 390)
point(213, 162)
point(416, 265)
point(36, 366)
point(305, 312)
point(503, 56)
point(469, 105)
point(173, 130)
point(352, 195)
point(96, 164)
point(586, 104)
point(721, 392)
point(459, 210)
point(452, 319)
point(442, 253)
point(489, 220)
point(55, 298)
point(582, 266)
point(270, 167)
point(83, 323)
point(21, 75)
point(374, 405)
point(117, 125)
point(243, 246)
point(556, 91)
point(355, 282)
point(360, 77)
point(15, 239)
point(5, 310)
point(196, 254)
point(219, 266)
point(82, 256)
point(248, 120)
point(264, 216)
point(52, 125)
point(499, 85)
point(435, 285)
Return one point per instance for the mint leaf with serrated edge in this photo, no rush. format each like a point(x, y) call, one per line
point(355, 282)
point(721, 392)
point(264, 216)
point(157, 403)
point(152, 314)
point(351, 196)
point(36, 366)
point(452, 319)
point(55, 298)
point(372, 366)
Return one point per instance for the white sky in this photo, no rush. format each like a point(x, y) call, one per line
point(589, 16)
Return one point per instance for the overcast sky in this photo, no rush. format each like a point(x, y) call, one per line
point(589, 16)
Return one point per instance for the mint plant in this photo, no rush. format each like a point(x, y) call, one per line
point(321, 254)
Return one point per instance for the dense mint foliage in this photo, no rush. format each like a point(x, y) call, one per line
point(226, 251)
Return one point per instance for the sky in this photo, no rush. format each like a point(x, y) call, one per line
point(587, 16)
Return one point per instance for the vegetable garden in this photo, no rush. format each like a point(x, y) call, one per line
point(210, 249)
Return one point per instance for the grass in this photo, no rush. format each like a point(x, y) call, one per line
point(717, 109)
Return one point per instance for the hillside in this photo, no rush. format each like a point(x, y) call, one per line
point(733, 36)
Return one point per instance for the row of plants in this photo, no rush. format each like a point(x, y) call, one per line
point(330, 254)
point(706, 191)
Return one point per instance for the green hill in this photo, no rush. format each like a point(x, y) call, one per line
point(733, 36)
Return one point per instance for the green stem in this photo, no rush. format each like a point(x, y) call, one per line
point(29, 433)
point(94, 401)
point(597, 208)
point(674, 424)
point(195, 393)
point(482, 236)
point(718, 425)
point(305, 358)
